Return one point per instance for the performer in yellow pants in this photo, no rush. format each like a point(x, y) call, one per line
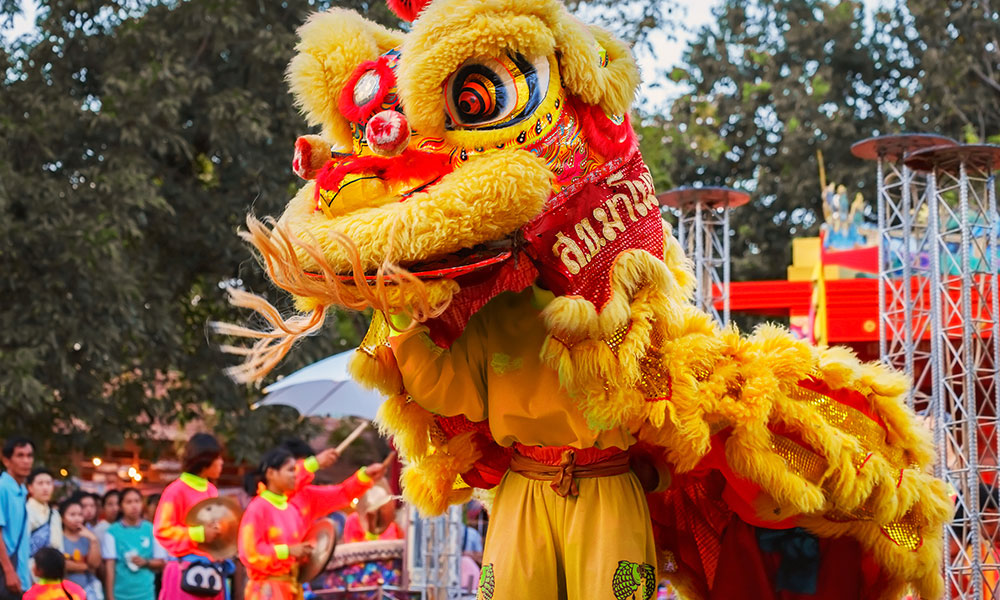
point(570, 520)
point(596, 546)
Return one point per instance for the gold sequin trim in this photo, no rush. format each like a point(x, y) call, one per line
point(378, 334)
point(653, 379)
point(617, 338)
point(801, 461)
point(850, 421)
point(905, 533)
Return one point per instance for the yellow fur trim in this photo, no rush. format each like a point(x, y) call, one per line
point(607, 377)
point(719, 380)
point(612, 87)
point(449, 32)
point(332, 44)
point(867, 480)
point(467, 207)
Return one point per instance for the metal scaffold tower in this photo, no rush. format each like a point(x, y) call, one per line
point(434, 553)
point(904, 243)
point(703, 232)
point(965, 342)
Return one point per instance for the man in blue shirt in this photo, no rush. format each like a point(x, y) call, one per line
point(18, 459)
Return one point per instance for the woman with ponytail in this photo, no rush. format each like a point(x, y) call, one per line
point(274, 523)
point(201, 463)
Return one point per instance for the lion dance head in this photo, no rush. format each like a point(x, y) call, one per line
point(487, 148)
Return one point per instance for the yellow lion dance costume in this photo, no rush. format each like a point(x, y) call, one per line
point(534, 336)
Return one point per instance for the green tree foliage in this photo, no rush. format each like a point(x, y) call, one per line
point(136, 139)
point(771, 82)
point(954, 69)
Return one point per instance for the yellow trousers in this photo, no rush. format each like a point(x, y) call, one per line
point(595, 546)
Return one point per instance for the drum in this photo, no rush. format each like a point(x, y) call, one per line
point(364, 566)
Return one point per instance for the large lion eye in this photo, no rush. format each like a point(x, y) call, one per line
point(489, 93)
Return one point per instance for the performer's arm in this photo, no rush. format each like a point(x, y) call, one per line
point(447, 382)
point(169, 529)
point(305, 469)
point(317, 501)
point(305, 473)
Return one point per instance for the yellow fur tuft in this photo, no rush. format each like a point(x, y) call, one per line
point(430, 484)
point(377, 370)
point(332, 44)
point(612, 87)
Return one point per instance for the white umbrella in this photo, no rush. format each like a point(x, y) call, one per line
point(324, 389)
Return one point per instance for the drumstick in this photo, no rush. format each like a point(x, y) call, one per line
point(350, 438)
point(388, 461)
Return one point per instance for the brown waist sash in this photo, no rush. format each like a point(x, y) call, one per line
point(564, 475)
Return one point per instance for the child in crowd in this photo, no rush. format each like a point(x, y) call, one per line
point(50, 570)
point(131, 553)
point(109, 513)
point(89, 503)
point(81, 549)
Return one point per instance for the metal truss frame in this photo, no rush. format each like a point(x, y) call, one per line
point(965, 344)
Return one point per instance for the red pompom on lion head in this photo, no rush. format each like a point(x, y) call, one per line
point(407, 10)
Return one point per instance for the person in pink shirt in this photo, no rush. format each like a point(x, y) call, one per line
point(275, 521)
point(202, 462)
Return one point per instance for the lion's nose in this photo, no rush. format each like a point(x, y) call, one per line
point(387, 133)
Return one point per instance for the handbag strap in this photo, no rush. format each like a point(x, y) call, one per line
point(20, 535)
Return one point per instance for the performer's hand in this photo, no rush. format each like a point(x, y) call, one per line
point(139, 561)
point(645, 472)
point(212, 531)
point(300, 550)
point(327, 457)
point(375, 470)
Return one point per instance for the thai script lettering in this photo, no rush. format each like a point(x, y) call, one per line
point(631, 200)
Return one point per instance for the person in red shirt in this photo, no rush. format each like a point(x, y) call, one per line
point(275, 521)
point(202, 462)
point(50, 570)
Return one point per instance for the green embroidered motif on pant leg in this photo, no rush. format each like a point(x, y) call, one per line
point(629, 577)
point(504, 363)
point(486, 582)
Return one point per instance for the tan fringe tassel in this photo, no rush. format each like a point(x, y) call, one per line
point(277, 247)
